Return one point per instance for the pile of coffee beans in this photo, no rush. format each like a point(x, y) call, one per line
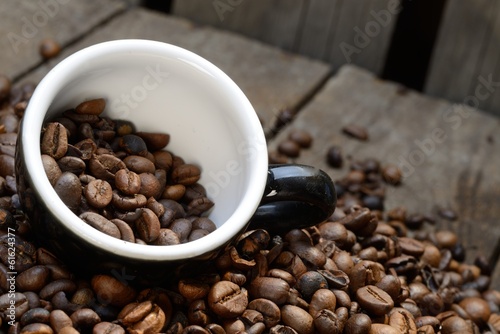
point(122, 181)
point(363, 270)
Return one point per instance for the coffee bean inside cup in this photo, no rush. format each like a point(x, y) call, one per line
point(121, 181)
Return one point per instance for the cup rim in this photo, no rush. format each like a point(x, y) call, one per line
point(33, 119)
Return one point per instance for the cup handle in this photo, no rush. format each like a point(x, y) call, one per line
point(296, 196)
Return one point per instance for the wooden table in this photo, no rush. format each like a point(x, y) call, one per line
point(449, 153)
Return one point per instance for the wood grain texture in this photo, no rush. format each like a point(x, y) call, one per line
point(315, 28)
point(271, 78)
point(24, 23)
point(273, 22)
point(448, 153)
point(467, 49)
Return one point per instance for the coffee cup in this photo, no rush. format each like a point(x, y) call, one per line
point(164, 88)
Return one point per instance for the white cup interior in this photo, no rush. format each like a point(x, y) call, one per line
point(160, 88)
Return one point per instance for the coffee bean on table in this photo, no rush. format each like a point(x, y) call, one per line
point(355, 131)
point(289, 148)
point(49, 48)
point(301, 137)
point(334, 157)
point(5, 87)
point(375, 300)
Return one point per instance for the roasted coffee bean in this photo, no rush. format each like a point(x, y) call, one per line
point(148, 225)
point(100, 223)
point(154, 141)
point(145, 317)
point(167, 237)
point(358, 324)
point(297, 318)
point(150, 186)
point(376, 328)
point(289, 148)
point(104, 166)
point(133, 145)
point(392, 174)
point(375, 300)
point(35, 315)
point(126, 232)
point(106, 327)
point(322, 299)
point(174, 192)
point(355, 131)
point(274, 289)
point(37, 328)
point(204, 223)
point(5, 87)
point(301, 137)
point(326, 322)
point(334, 157)
point(64, 285)
point(127, 182)
point(128, 203)
point(91, 107)
point(71, 164)
point(198, 313)
point(139, 164)
point(59, 319)
point(112, 291)
point(199, 206)
point(33, 279)
point(186, 174)
point(54, 140)
point(477, 309)
point(182, 227)
point(310, 282)
point(49, 48)
point(98, 193)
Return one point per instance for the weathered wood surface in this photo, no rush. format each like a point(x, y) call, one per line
point(24, 23)
point(467, 50)
point(271, 78)
point(335, 31)
point(448, 153)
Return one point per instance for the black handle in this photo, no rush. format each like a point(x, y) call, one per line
point(296, 196)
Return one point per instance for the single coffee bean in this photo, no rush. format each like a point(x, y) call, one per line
point(106, 327)
point(70, 164)
point(100, 223)
point(154, 141)
point(359, 323)
point(5, 87)
point(376, 328)
point(301, 137)
point(334, 157)
point(174, 192)
point(49, 48)
point(37, 328)
point(182, 227)
point(133, 145)
point(144, 317)
point(199, 206)
point(167, 237)
point(91, 107)
point(126, 232)
point(139, 164)
point(127, 182)
point(110, 290)
point(104, 166)
point(69, 189)
point(310, 282)
point(375, 300)
point(274, 289)
point(33, 279)
point(54, 140)
point(355, 131)
point(322, 299)
point(128, 203)
point(392, 174)
point(289, 148)
point(148, 225)
point(477, 308)
point(58, 319)
point(297, 318)
point(84, 319)
point(326, 322)
point(186, 174)
point(98, 193)
point(64, 285)
point(150, 186)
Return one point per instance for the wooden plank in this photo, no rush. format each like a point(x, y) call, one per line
point(448, 153)
point(314, 28)
point(271, 78)
point(460, 48)
point(24, 23)
point(274, 22)
point(363, 33)
point(320, 19)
